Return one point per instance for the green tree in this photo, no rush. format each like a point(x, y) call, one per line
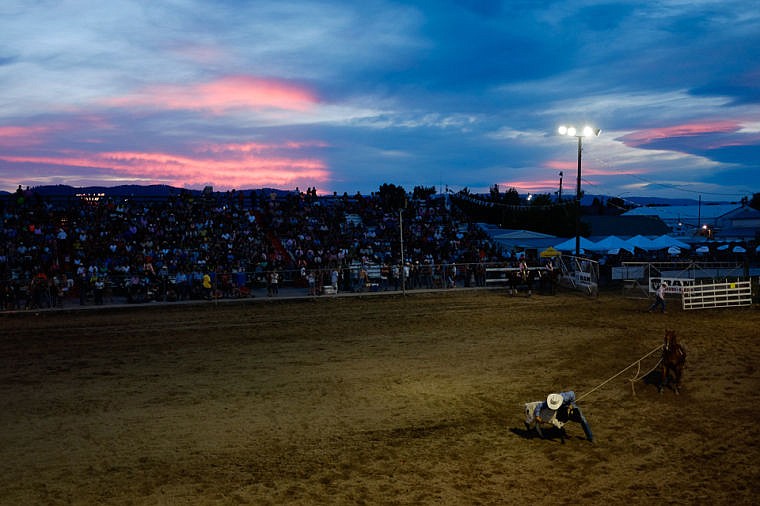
point(542, 199)
point(422, 192)
point(754, 202)
point(392, 197)
point(511, 197)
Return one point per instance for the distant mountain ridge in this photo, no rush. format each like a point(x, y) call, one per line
point(130, 190)
point(659, 201)
point(61, 190)
point(160, 190)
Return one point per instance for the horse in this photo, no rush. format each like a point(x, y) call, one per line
point(673, 361)
point(521, 278)
point(549, 279)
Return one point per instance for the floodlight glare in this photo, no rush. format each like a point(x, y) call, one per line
point(591, 132)
point(562, 130)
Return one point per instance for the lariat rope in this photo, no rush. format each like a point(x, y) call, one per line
point(635, 378)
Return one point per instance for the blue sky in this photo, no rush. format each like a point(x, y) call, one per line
point(345, 96)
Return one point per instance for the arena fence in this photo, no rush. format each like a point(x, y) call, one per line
point(500, 275)
point(641, 279)
point(354, 277)
point(715, 295)
point(641, 271)
point(32, 292)
point(575, 273)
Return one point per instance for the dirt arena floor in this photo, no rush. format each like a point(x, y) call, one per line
point(387, 399)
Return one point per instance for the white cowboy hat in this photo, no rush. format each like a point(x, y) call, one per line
point(554, 401)
point(664, 284)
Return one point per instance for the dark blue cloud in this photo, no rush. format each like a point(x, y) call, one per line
point(469, 46)
point(600, 17)
point(482, 7)
point(739, 94)
point(735, 154)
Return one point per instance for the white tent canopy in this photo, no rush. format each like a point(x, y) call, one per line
point(522, 234)
point(665, 241)
point(641, 242)
point(610, 243)
point(569, 245)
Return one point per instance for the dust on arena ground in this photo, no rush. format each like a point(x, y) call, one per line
point(373, 400)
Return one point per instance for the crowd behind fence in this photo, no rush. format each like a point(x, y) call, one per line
point(57, 292)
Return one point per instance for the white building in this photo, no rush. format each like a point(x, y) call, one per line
point(724, 221)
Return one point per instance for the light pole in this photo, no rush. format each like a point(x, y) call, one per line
point(401, 240)
point(571, 131)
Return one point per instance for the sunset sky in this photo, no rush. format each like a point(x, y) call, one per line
point(345, 96)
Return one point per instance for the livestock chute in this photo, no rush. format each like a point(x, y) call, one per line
point(579, 273)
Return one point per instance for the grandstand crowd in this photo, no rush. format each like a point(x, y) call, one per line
point(210, 245)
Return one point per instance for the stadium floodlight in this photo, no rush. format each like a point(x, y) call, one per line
point(571, 131)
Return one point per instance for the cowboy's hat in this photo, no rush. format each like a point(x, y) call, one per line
point(554, 401)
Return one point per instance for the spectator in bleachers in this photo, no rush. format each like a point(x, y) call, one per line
point(158, 246)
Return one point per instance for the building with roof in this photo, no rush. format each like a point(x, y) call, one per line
point(742, 224)
point(605, 225)
point(725, 222)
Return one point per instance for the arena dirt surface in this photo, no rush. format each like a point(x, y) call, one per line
point(388, 399)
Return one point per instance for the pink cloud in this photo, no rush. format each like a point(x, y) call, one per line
point(228, 93)
point(35, 135)
point(17, 136)
point(247, 172)
point(647, 136)
point(562, 165)
point(244, 169)
point(257, 147)
point(530, 186)
point(570, 169)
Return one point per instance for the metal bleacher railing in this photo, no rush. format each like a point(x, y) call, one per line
point(355, 278)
